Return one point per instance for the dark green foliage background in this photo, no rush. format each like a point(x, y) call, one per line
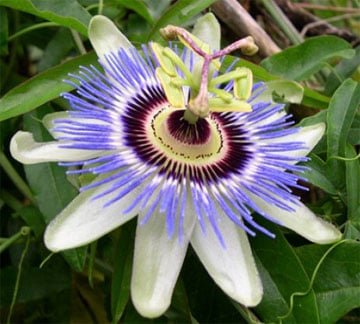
point(303, 282)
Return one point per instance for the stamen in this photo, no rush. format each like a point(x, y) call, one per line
point(199, 105)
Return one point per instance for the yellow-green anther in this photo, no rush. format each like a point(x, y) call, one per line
point(178, 62)
point(216, 63)
point(220, 105)
point(174, 93)
point(179, 82)
point(238, 73)
point(165, 62)
point(243, 84)
point(226, 96)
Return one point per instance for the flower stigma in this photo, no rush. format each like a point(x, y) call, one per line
point(205, 96)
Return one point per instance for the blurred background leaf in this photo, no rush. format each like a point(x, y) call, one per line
point(41, 88)
point(66, 13)
point(301, 61)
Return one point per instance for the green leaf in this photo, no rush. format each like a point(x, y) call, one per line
point(32, 286)
point(351, 232)
point(314, 99)
point(352, 168)
point(282, 91)
point(354, 132)
point(157, 8)
point(337, 282)
point(41, 88)
point(341, 112)
point(123, 258)
point(284, 276)
point(301, 61)
point(139, 7)
point(179, 311)
point(48, 182)
point(341, 72)
point(177, 14)
point(3, 32)
point(33, 218)
point(135, 27)
point(320, 117)
point(260, 74)
point(67, 13)
point(311, 98)
point(56, 49)
point(318, 176)
point(353, 136)
point(274, 302)
point(207, 302)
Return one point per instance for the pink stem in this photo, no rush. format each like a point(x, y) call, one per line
point(241, 43)
point(171, 32)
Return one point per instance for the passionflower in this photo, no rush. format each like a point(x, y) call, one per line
point(192, 176)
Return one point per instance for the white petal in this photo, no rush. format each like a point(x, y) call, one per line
point(310, 135)
point(207, 29)
point(303, 221)
point(233, 267)
point(105, 37)
point(49, 119)
point(157, 263)
point(48, 122)
point(271, 118)
point(85, 219)
point(24, 149)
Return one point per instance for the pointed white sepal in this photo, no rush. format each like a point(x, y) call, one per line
point(157, 263)
point(232, 267)
point(302, 221)
point(309, 135)
point(207, 29)
point(24, 149)
point(105, 37)
point(49, 122)
point(86, 219)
